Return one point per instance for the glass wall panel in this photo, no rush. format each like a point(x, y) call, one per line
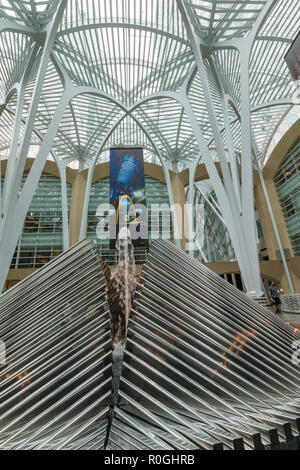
point(287, 182)
point(41, 239)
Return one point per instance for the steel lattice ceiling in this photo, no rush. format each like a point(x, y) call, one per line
point(124, 52)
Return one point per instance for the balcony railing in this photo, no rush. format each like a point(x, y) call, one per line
point(290, 303)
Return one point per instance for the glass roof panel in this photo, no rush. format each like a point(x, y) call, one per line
point(128, 51)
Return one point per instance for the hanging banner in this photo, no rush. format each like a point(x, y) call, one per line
point(128, 195)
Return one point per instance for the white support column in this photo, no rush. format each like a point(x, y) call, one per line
point(10, 192)
point(231, 153)
point(197, 202)
point(201, 252)
point(0, 195)
point(208, 247)
point(12, 161)
point(191, 236)
point(248, 209)
point(240, 224)
point(84, 219)
point(15, 207)
point(62, 167)
point(195, 45)
point(177, 237)
point(13, 226)
point(231, 216)
point(8, 185)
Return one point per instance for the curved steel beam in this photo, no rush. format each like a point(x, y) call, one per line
point(138, 27)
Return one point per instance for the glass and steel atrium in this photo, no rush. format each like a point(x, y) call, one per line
point(190, 81)
point(141, 349)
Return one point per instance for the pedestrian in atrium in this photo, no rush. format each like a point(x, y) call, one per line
point(274, 298)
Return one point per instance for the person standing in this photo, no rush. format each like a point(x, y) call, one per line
point(275, 298)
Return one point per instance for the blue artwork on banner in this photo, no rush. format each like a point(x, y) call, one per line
point(128, 195)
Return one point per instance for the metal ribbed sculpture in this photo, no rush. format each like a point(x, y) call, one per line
point(202, 365)
point(55, 387)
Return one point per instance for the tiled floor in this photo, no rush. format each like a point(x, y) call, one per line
point(292, 319)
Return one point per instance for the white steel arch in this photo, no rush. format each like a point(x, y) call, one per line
point(189, 74)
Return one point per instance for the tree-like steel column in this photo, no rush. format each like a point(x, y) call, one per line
point(230, 213)
point(238, 211)
point(15, 205)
